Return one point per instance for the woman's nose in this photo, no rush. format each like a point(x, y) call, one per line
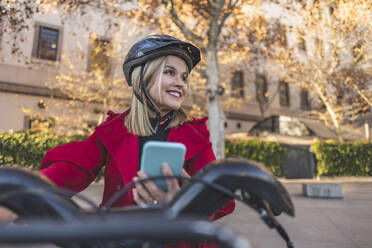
point(180, 82)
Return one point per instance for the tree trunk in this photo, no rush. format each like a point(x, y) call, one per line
point(215, 110)
point(102, 115)
point(330, 110)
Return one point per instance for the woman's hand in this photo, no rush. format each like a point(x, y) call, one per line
point(6, 215)
point(149, 193)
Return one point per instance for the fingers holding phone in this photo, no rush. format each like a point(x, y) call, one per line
point(149, 193)
point(142, 194)
point(186, 175)
point(155, 154)
point(173, 186)
point(159, 158)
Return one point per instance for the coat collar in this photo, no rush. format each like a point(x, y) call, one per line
point(192, 135)
point(123, 146)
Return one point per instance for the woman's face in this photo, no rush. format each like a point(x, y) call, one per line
point(173, 85)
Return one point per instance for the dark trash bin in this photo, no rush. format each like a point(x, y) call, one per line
point(298, 162)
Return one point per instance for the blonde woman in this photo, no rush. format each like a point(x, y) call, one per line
point(157, 67)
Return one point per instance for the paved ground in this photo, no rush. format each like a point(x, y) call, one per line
point(321, 223)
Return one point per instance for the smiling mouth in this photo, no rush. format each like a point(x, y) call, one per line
point(174, 93)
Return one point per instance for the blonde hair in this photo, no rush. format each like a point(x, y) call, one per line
point(138, 120)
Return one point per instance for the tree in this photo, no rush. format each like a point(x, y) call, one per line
point(92, 90)
point(89, 91)
point(335, 64)
point(216, 26)
point(261, 36)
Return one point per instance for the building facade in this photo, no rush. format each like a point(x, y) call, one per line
point(251, 94)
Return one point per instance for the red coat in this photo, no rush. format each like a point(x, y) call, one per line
point(75, 165)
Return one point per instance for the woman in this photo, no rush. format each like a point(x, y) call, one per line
point(157, 68)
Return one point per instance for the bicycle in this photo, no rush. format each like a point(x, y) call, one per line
point(47, 213)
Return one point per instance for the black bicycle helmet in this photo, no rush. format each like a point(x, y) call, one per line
point(153, 46)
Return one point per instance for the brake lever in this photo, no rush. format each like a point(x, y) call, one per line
point(266, 215)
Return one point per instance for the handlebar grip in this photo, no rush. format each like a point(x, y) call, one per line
point(28, 194)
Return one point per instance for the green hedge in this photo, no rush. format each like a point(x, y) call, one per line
point(343, 159)
point(333, 158)
point(270, 154)
point(28, 149)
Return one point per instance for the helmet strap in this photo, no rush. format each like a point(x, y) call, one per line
point(139, 98)
point(149, 100)
point(159, 119)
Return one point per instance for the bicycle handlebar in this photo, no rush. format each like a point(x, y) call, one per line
point(259, 188)
point(92, 229)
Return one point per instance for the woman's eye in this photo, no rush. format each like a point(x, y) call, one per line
point(169, 72)
point(184, 78)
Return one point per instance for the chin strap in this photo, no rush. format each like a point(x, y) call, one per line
point(159, 119)
point(149, 101)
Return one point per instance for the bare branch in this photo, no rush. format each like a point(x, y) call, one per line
point(365, 98)
point(232, 4)
point(186, 31)
point(214, 27)
point(224, 18)
point(203, 12)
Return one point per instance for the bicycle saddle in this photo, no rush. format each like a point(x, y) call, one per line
point(255, 182)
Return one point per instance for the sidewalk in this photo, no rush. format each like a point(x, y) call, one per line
point(321, 223)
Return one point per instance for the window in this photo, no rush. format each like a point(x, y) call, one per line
point(357, 52)
point(237, 84)
point(47, 42)
point(1, 33)
point(304, 98)
point(319, 47)
point(276, 34)
point(284, 95)
point(282, 35)
point(261, 89)
point(302, 44)
point(99, 59)
point(340, 96)
point(301, 40)
point(332, 8)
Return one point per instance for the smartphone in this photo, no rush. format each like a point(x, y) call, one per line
point(156, 153)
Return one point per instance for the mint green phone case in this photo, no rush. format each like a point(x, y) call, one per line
point(156, 153)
